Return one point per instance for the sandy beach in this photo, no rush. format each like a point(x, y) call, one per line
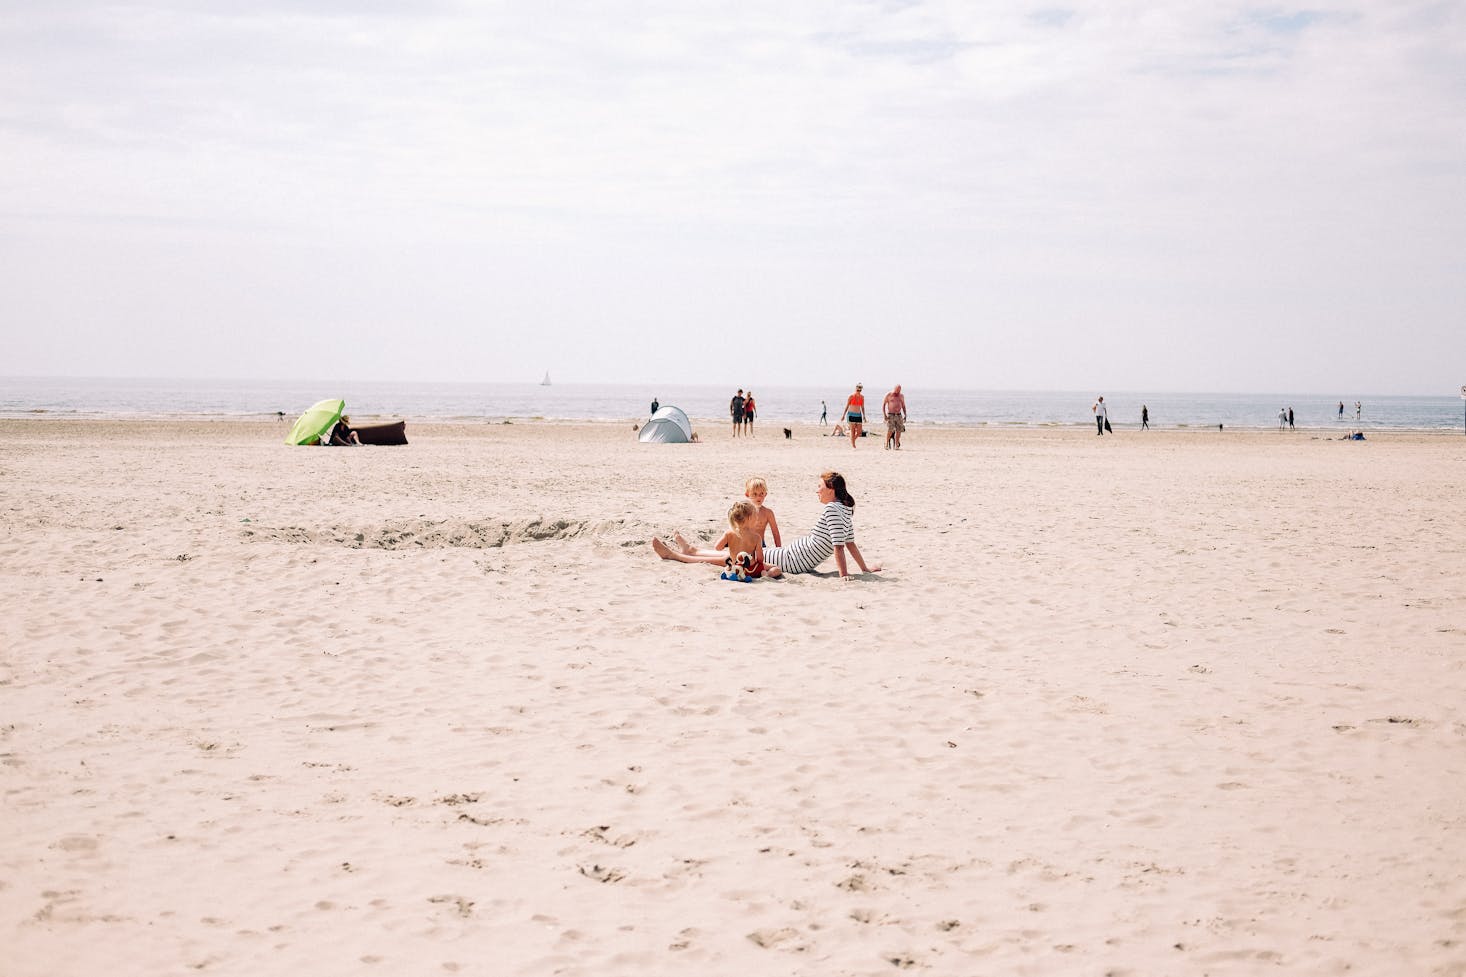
point(1161, 703)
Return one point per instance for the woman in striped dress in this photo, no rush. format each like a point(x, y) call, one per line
point(834, 534)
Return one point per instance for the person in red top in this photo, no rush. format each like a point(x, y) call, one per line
point(855, 413)
point(748, 413)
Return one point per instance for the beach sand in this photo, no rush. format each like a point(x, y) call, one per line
point(1161, 703)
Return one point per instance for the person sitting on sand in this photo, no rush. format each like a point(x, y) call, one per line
point(740, 538)
point(342, 433)
point(756, 490)
point(839, 432)
point(834, 534)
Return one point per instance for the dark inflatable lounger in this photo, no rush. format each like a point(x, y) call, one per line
point(393, 433)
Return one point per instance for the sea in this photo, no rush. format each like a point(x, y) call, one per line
point(134, 398)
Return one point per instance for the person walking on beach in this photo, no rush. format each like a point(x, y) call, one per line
point(748, 411)
point(735, 407)
point(1144, 418)
point(1341, 410)
point(855, 414)
point(1290, 419)
point(1282, 418)
point(1358, 410)
point(655, 406)
point(1101, 416)
point(894, 409)
point(824, 414)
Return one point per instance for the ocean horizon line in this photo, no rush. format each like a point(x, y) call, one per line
point(139, 398)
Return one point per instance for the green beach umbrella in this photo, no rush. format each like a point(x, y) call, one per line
point(316, 422)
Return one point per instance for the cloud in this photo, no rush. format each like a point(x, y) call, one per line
point(1122, 151)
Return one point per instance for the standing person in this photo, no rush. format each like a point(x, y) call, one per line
point(1341, 410)
point(1144, 418)
point(1358, 410)
point(824, 414)
point(1282, 418)
point(735, 407)
point(1290, 419)
point(655, 406)
point(1101, 416)
point(748, 412)
point(894, 408)
point(855, 413)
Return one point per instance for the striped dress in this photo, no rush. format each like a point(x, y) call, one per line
point(836, 527)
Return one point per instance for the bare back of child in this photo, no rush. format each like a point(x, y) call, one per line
point(741, 537)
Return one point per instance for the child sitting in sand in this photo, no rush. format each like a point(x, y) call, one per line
point(740, 538)
point(756, 490)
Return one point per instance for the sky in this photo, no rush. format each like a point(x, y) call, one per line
point(1111, 195)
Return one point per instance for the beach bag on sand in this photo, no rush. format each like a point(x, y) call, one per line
point(1107, 426)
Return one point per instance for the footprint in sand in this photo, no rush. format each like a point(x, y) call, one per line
point(462, 906)
point(601, 873)
point(773, 937)
point(81, 843)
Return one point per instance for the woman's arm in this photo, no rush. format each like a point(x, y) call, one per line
point(840, 549)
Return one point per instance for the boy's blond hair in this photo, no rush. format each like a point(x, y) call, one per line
point(756, 482)
point(740, 513)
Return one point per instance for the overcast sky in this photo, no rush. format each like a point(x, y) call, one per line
point(1110, 195)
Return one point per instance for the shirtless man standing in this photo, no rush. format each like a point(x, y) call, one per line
point(894, 407)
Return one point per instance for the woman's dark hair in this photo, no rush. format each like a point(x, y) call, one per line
point(836, 481)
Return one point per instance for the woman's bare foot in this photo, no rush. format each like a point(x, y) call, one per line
point(682, 543)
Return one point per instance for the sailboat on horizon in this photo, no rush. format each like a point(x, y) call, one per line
point(546, 381)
